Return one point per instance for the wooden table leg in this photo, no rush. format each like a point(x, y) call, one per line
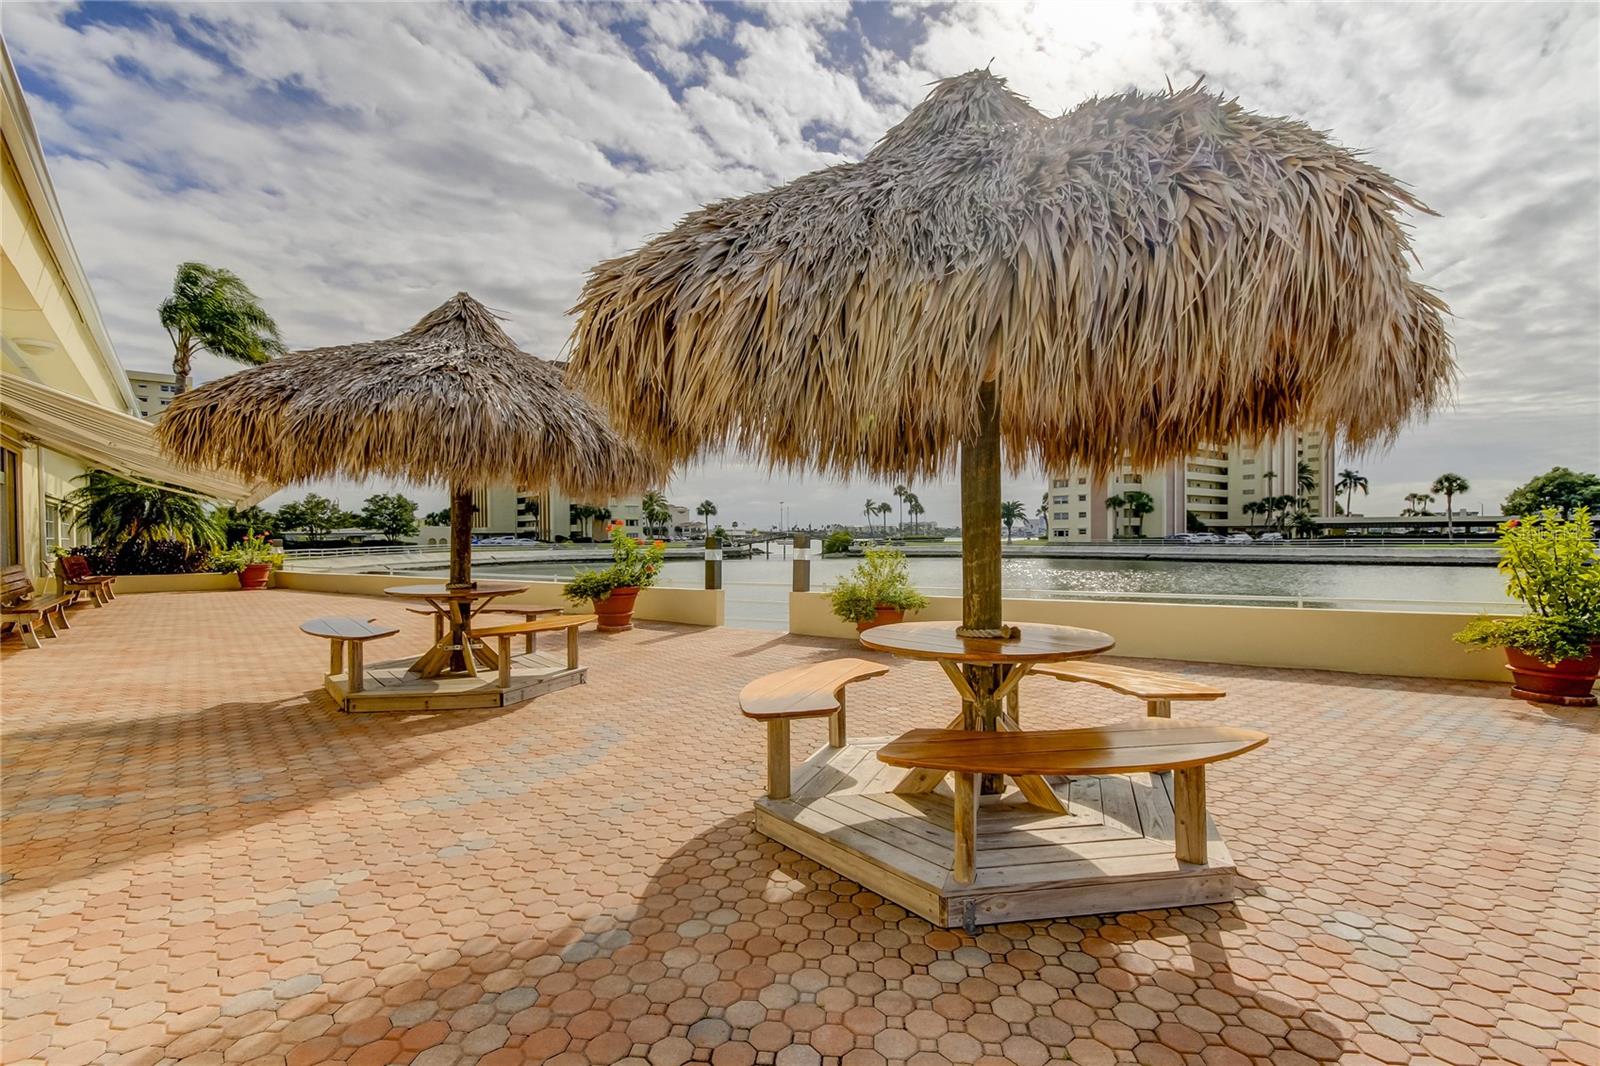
point(964, 863)
point(335, 657)
point(572, 648)
point(1189, 814)
point(358, 667)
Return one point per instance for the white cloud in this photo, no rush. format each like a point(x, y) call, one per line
point(358, 164)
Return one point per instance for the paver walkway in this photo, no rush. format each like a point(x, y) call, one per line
point(204, 862)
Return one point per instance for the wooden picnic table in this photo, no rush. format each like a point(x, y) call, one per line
point(989, 701)
point(457, 606)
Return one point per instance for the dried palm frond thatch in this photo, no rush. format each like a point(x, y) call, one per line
point(1141, 275)
point(451, 400)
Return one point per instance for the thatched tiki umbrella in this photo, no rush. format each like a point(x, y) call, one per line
point(1142, 275)
point(451, 401)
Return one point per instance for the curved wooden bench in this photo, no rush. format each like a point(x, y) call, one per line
point(1157, 690)
point(527, 628)
point(1134, 747)
point(347, 632)
point(815, 690)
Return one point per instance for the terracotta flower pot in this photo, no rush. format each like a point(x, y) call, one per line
point(886, 616)
point(1569, 683)
point(255, 576)
point(616, 610)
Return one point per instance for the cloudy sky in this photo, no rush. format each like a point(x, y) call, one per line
point(358, 163)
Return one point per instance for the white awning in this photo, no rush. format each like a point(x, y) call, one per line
point(110, 440)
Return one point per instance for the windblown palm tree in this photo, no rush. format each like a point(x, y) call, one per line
point(883, 512)
point(1349, 481)
point(1305, 479)
point(1012, 511)
point(707, 511)
point(1448, 485)
point(212, 310)
point(1139, 504)
point(870, 510)
point(1253, 508)
point(915, 508)
point(655, 510)
point(118, 511)
point(1417, 503)
point(900, 493)
point(1116, 504)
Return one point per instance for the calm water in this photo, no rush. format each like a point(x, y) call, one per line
point(757, 589)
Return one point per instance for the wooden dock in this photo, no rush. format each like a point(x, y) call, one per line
point(1112, 851)
point(387, 686)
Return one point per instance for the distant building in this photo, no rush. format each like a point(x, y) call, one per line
point(550, 514)
point(1214, 484)
point(152, 391)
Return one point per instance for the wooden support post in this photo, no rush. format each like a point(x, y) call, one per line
point(1014, 705)
point(461, 510)
point(1189, 814)
point(964, 861)
point(980, 518)
point(358, 667)
point(529, 643)
point(504, 642)
point(802, 562)
point(713, 563)
point(778, 758)
point(30, 638)
point(1158, 709)
point(836, 725)
point(44, 628)
point(572, 648)
point(335, 657)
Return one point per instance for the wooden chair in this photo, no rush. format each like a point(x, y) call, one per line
point(32, 615)
point(812, 691)
point(351, 633)
point(1135, 747)
point(527, 628)
point(73, 578)
point(1157, 690)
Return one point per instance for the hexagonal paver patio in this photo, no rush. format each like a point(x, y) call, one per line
point(203, 862)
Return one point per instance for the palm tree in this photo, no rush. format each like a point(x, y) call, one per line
point(1349, 481)
point(1139, 504)
point(869, 510)
point(1448, 485)
point(883, 510)
point(1252, 509)
point(1305, 479)
point(655, 509)
point(212, 310)
point(707, 511)
point(914, 508)
point(120, 512)
point(900, 492)
point(1011, 511)
point(1417, 503)
point(1116, 503)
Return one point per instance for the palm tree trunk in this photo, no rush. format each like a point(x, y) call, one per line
point(182, 358)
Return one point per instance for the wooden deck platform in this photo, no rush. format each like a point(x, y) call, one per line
point(387, 686)
point(1112, 852)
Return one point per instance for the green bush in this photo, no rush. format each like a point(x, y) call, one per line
point(1551, 565)
point(837, 542)
point(879, 580)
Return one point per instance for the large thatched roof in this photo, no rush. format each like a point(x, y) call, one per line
point(450, 400)
point(1145, 273)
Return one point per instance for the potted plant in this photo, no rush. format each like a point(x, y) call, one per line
point(1553, 651)
point(252, 559)
point(877, 592)
point(614, 589)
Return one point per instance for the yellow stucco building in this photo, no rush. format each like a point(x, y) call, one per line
point(65, 403)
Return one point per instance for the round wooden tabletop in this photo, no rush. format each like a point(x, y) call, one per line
point(1039, 643)
point(478, 591)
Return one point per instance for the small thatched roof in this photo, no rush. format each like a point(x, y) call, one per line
point(450, 400)
point(1144, 273)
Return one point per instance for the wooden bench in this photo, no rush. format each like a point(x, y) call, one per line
point(74, 577)
point(1135, 747)
point(31, 614)
point(812, 691)
point(527, 628)
point(352, 633)
point(1157, 690)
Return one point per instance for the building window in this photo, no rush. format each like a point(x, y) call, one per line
point(1081, 498)
point(1061, 516)
point(54, 526)
point(1249, 492)
point(1082, 532)
point(1083, 514)
point(1083, 481)
point(10, 553)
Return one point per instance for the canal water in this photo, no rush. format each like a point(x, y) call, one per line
point(757, 589)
